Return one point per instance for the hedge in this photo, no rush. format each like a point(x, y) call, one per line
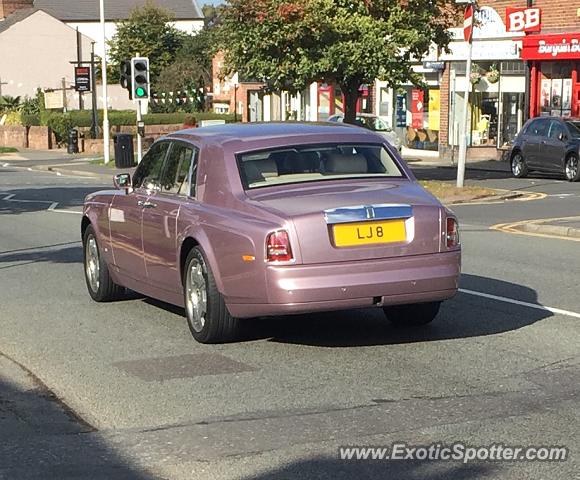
point(83, 118)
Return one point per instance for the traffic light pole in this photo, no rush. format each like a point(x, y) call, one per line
point(139, 138)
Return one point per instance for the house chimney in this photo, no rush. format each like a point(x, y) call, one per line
point(10, 6)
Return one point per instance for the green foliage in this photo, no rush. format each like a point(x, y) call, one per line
point(8, 150)
point(290, 43)
point(10, 104)
point(148, 33)
point(30, 120)
point(60, 124)
point(82, 118)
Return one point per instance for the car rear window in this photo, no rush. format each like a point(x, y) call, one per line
point(574, 127)
point(310, 163)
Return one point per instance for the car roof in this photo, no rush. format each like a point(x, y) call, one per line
point(270, 131)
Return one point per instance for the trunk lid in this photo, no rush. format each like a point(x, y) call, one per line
point(339, 222)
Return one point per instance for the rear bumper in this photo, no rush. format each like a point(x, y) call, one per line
point(338, 286)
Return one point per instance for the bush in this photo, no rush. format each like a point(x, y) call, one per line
point(30, 120)
point(60, 124)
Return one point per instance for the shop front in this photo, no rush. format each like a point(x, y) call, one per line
point(496, 86)
point(554, 74)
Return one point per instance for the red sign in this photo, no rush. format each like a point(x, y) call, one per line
point(417, 99)
point(468, 23)
point(565, 46)
point(523, 19)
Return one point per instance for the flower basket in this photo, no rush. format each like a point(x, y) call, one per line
point(493, 75)
point(474, 77)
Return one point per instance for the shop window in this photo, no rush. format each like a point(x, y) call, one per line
point(384, 102)
point(556, 89)
point(484, 118)
point(423, 133)
point(513, 67)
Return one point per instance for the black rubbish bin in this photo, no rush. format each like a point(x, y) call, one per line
point(124, 156)
point(73, 141)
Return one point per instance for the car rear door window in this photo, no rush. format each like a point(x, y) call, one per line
point(556, 130)
point(148, 172)
point(175, 178)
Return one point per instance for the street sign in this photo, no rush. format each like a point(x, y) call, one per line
point(468, 23)
point(401, 110)
point(83, 79)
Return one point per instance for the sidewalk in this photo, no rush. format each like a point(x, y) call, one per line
point(561, 227)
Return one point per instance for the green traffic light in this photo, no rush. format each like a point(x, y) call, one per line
point(140, 92)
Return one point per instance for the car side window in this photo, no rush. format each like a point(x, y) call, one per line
point(556, 130)
point(148, 172)
point(539, 128)
point(175, 178)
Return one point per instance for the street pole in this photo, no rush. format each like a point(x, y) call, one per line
point(139, 139)
point(106, 131)
point(95, 117)
point(79, 63)
point(464, 126)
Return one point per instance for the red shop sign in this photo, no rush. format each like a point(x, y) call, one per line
point(523, 19)
point(417, 99)
point(565, 46)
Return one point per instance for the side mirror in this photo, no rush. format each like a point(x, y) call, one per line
point(122, 181)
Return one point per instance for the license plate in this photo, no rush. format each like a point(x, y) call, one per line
point(366, 233)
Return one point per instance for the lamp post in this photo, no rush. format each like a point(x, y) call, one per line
point(106, 131)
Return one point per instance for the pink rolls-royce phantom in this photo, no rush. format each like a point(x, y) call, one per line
point(247, 220)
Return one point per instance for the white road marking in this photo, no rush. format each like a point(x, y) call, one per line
point(519, 302)
point(51, 208)
point(5, 165)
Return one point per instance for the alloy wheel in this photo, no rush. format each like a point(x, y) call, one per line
point(572, 167)
point(196, 297)
point(517, 164)
point(92, 265)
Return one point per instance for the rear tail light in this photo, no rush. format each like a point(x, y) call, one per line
point(452, 235)
point(278, 247)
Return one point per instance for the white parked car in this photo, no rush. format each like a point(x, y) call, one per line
point(374, 123)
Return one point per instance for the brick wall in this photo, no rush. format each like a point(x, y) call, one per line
point(444, 107)
point(10, 6)
point(13, 136)
point(40, 138)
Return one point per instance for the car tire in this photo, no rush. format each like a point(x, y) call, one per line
point(412, 315)
point(207, 315)
point(99, 282)
point(572, 168)
point(518, 165)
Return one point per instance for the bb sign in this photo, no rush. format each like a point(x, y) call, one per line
point(523, 19)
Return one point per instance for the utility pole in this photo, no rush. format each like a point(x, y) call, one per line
point(95, 117)
point(79, 61)
point(106, 130)
point(468, 35)
point(64, 97)
point(2, 83)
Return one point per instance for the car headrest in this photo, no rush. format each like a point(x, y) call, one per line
point(259, 170)
point(340, 163)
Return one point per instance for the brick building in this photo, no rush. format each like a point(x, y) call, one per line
point(516, 75)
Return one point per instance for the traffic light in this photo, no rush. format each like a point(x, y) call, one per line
point(140, 78)
point(126, 77)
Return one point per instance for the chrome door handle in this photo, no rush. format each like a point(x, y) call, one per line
point(146, 204)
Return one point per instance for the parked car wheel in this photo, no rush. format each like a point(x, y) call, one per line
point(99, 282)
point(572, 168)
point(412, 315)
point(519, 167)
point(207, 315)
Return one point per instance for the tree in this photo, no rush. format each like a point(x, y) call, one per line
point(148, 33)
point(290, 43)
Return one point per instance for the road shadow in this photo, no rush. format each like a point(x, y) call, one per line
point(70, 252)
point(41, 439)
point(462, 317)
point(326, 468)
point(25, 200)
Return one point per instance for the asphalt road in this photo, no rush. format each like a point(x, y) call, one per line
point(122, 391)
